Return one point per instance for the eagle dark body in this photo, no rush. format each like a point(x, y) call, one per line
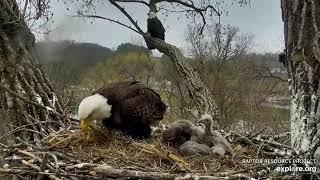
point(156, 29)
point(134, 107)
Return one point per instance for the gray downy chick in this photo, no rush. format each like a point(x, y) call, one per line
point(181, 131)
point(190, 148)
point(213, 137)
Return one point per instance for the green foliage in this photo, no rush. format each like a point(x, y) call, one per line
point(132, 65)
point(128, 47)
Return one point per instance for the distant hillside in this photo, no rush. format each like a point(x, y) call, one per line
point(128, 47)
point(53, 51)
point(68, 60)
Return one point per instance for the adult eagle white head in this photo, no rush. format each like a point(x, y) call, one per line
point(127, 106)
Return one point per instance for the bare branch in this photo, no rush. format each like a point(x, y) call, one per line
point(27, 100)
point(194, 8)
point(25, 9)
point(135, 23)
point(111, 20)
point(270, 75)
point(133, 1)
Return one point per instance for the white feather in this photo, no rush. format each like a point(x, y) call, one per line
point(151, 15)
point(206, 116)
point(95, 106)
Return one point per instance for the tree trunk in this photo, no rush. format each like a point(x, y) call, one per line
point(302, 38)
point(198, 91)
point(26, 96)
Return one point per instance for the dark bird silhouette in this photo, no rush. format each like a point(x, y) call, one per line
point(155, 28)
point(283, 58)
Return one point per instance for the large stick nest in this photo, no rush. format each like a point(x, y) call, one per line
point(71, 154)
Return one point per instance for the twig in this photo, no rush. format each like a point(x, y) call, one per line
point(22, 171)
point(111, 20)
point(108, 171)
point(21, 98)
point(30, 155)
point(276, 137)
point(135, 23)
point(25, 9)
point(29, 101)
point(35, 167)
point(21, 128)
point(257, 133)
point(80, 165)
point(35, 158)
point(43, 166)
point(26, 143)
point(133, 1)
point(273, 144)
point(194, 176)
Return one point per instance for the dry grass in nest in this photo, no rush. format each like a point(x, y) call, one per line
point(120, 151)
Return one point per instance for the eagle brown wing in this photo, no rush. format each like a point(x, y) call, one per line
point(135, 101)
point(146, 106)
point(119, 91)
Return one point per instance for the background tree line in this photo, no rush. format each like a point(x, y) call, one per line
point(244, 85)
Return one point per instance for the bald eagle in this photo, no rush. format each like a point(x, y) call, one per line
point(155, 28)
point(127, 106)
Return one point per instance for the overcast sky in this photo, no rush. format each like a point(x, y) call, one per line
point(262, 18)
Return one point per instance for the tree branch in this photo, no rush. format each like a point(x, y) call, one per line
point(111, 20)
point(198, 90)
point(27, 100)
point(135, 23)
point(25, 9)
point(133, 1)
point(271, 75)
point(192, 6)
point(196, 9)
point(153, 3)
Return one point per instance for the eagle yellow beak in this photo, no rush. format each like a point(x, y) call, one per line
point(85, 124)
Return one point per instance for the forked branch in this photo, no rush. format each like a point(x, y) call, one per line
point(135, 23)
point(152, 4)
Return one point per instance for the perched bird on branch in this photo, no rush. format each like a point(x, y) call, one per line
point(127, 106)
point(155, 28)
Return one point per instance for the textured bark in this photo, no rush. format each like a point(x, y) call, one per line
point(23, 81)
point(302, 38)
point(196, 88)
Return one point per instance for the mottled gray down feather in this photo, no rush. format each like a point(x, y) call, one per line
point(193, 148)
point(218, 150)
point(181, 131)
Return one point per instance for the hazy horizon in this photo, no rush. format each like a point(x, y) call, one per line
point(261, 19)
